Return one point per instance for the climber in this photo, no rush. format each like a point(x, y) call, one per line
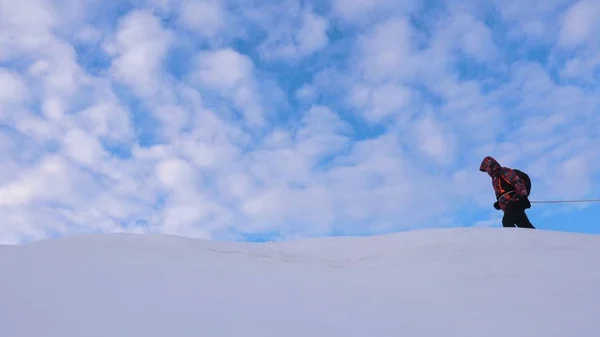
point(511, 191)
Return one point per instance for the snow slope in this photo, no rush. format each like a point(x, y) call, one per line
point(456, 282)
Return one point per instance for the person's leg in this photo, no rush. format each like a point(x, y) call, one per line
point(507, 219)
point(514, 215)
point(521, 219)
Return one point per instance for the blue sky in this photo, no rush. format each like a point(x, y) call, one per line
point(258, 120)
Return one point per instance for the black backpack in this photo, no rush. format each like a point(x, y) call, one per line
point(525, 178)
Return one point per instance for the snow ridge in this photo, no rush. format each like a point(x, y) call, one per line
point(444, 282)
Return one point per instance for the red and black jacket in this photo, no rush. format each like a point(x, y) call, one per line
point(507, 184)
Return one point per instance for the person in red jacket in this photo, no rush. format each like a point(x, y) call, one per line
point(511, 193)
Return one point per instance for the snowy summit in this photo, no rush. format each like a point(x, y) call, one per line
point(477, 282)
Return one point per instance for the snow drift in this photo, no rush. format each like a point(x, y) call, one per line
point(454, 282)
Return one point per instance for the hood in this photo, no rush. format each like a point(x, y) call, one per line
point(490, 165)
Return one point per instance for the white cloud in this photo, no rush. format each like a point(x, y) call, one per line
point(232, 74)
point(577, 173)
point(186, 204)
point(476, 39)
point(312, 36)
point(39, 129)
point(26, 26)
point(107, 120)
point(434, 141)
point(89, 35)
point(224, 69)
point(387, 51)
point(208, 17)
point(139, 48)
point(582, 68)
point(28, 17)
point(83, 148)
point(53, 108)
point(382, 102)
point(13, 89)
point(305, 35)
point(535, 23)
point(322, 133)
point(47, 182)
point(362, 12)
point(173, 173)
point(307, 93)
point(63, 76)
point(579, 30)
point(184, 124)
point(163, 5)
point(579, 24)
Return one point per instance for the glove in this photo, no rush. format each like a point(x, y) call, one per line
point(497, 205)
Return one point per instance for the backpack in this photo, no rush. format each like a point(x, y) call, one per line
point(525, 178)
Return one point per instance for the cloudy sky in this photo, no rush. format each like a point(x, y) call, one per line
point(261, 120)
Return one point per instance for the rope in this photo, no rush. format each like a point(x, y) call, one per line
point(564, 201)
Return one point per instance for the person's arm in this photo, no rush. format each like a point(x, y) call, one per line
point(516, 181)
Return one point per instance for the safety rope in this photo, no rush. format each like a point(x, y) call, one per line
point(564, 201)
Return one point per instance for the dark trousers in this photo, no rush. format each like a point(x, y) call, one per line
point(514, 215)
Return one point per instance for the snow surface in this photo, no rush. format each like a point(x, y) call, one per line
point(479, 282)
